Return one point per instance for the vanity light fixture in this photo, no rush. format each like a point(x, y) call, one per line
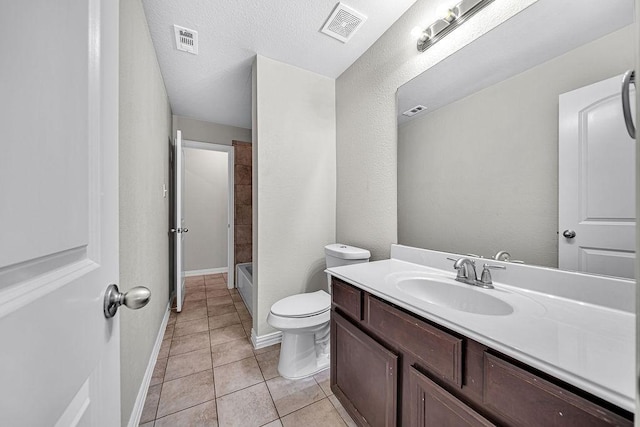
point(453, 18)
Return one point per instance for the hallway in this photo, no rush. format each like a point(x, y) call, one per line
point(208, 374)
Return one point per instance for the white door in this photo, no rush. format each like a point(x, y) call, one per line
point(180, 230)
point(59, 355)
point(596, 182)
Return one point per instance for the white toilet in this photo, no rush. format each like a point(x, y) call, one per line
point(304, 320)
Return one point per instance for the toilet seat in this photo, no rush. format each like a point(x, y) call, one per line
point(302, 305)
point(304, 321)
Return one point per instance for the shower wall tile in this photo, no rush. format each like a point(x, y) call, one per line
point(243, 194)
point(243, 234)
point(243, 253)
point(243, 215)
point(243, 154)
point(243, 202)
point(242, 175)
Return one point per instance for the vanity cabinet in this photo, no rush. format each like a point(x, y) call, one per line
point(390, 367)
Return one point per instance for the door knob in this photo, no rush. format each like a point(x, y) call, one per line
point(185, 230)
point(136, 298)
point(569, 234)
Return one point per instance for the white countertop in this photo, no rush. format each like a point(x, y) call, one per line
point(589, 346)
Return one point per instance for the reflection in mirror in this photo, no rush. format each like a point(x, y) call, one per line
point(479, 169)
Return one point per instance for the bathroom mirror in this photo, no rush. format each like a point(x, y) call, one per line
point(478, 170)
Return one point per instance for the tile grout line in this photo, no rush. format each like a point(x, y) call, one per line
point(309, 404)
point(254, 355)
point(184, 409)
point(164, 377)
point(272, 401)
point(243, 388)
point(336, 408)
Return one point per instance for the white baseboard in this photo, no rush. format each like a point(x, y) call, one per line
point(206, 271)
point(265, 340)
point(136, 413)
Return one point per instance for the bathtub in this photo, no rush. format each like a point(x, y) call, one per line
point(244, 283)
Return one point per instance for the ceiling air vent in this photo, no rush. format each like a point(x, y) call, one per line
point(186, 39)
point(415, 110)
point(343, 23)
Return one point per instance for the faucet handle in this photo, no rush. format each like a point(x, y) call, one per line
point(506, 257)
point(495, 267)
point(475, 256)
point(485, 278)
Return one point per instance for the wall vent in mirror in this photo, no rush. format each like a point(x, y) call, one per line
point(415, 110)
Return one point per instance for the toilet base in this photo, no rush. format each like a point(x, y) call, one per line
point(304, 354)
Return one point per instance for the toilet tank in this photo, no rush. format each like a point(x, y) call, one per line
point(338, 254)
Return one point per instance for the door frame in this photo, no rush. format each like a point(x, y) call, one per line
point(230, 200)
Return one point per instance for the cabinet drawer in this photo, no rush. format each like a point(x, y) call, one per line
point(437, 350)
point(364, 374)
point(528, 400)
point(433, 406)
point(348, 298)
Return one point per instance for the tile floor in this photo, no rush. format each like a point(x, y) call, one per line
point(208, 373)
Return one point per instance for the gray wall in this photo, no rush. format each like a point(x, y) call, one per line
point(294, 175)
point(502, 161)
point(206, 209)
point(197, 130)
point(145, 126)
point(366, 120)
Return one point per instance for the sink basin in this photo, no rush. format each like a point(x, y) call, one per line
point(457, 297)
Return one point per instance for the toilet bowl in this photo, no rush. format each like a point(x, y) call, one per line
point(304, 321)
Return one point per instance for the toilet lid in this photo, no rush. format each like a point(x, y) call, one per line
point(302, 305)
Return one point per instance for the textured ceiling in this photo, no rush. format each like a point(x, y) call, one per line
point(215, 85)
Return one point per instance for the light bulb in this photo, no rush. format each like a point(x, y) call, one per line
point(444, 9)
point(416, 32)
point(450, 16)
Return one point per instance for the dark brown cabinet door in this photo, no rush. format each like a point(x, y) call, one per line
point(528, 400)
point(432, 406)
point(364, 374)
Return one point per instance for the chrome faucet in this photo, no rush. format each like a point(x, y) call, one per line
point(467, 273)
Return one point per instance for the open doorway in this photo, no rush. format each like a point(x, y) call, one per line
point(208, 209)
